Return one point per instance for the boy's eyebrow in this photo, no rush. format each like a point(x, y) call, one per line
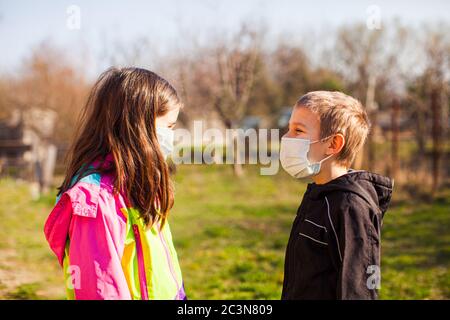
point(299, 123)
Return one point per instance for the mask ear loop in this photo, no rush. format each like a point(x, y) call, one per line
point(321, 139)
point(327, 157)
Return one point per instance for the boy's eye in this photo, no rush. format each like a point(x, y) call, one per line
point(299, 130)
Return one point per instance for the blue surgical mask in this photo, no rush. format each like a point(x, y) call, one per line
point(166, 140)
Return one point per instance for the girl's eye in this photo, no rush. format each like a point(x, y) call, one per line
point(299, 130)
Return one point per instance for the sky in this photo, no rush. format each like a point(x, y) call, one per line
point(26, 24)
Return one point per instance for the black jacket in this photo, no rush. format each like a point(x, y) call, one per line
point(334, 247)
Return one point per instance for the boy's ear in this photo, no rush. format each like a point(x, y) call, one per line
point(336, 143)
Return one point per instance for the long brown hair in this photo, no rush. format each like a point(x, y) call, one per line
point(119, 119)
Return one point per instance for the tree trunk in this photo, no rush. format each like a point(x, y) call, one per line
point(237, 164)
point(436, 136)
point(371, 147)
point(395, 116)
point(421, 131)
point(371, 108)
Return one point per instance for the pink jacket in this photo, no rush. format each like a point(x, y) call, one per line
point(105, 249)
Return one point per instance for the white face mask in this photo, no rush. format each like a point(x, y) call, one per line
point(165, 138)
point(294, 157)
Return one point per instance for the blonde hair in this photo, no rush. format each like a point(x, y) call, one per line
point(339, 113)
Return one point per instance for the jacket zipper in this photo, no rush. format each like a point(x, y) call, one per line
point(169, 261)
point(141, 265)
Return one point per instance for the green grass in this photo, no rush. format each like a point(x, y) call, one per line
point(230, 235)
point(27, 267)
point(416, 251)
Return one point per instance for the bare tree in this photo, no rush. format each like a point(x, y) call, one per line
point(48, 81)
point(292, 71)
point(359, 53)
point(224, 74)
point(375, 64)
point(436, 77)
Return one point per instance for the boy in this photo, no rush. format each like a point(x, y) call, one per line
point(334, 246)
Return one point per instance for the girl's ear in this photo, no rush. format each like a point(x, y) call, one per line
point(336, 143)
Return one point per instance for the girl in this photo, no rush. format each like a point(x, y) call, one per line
point(109, 227)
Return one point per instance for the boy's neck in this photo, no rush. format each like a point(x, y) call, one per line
point(329, 172)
